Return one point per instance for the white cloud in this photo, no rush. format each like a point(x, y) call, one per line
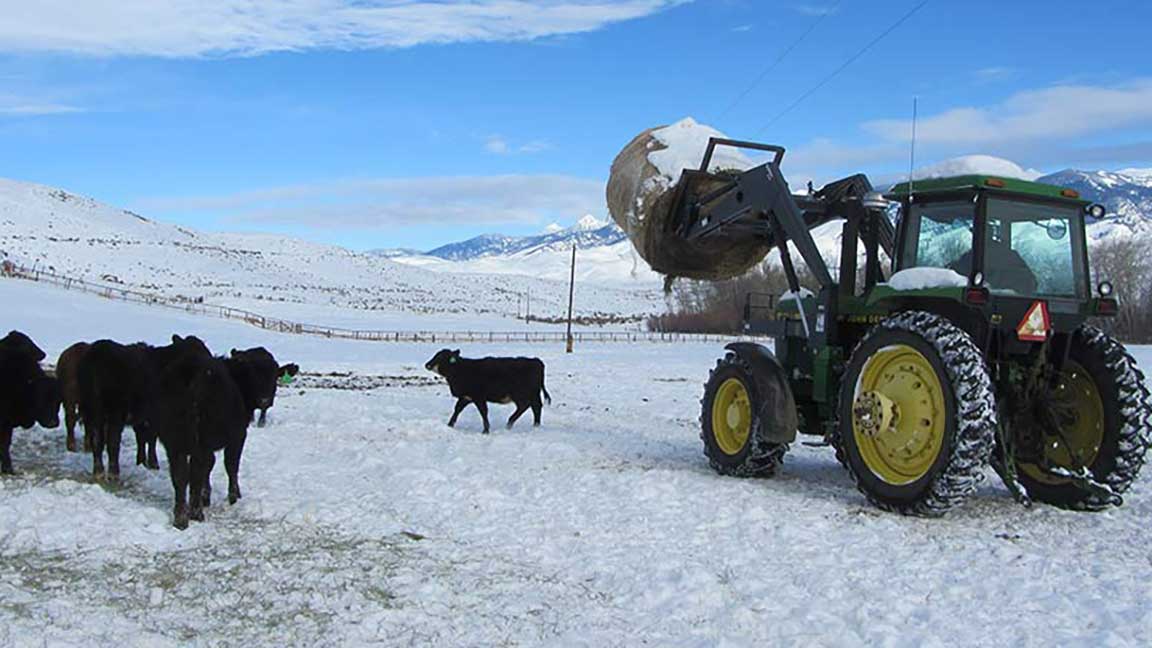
point(496, 144)
point(499, 145)
point(384, 202)
point(21, 106)
point(196, 28)
point(817, 10)
point(1058, 112)
point(34, 109)
point(995, 73)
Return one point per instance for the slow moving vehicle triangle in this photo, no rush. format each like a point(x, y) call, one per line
point(1036, 323)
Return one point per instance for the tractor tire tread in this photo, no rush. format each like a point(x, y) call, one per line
point(764, 457)
point(976, 415)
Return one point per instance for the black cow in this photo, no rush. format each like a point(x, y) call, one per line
point(27, 395)
point(492, 380)
point(257, 373)
point(17, 341)
point(118, 385)
point(203, 408)
point(67, 371)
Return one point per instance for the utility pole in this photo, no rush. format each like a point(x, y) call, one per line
point(528, 307)
point(571, 290)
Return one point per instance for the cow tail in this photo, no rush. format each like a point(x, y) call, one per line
point(547, 396)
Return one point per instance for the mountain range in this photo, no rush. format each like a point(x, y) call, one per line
point(1127, 195)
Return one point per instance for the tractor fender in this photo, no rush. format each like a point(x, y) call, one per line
point(778, 416)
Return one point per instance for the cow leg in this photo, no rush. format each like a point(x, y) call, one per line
point(178, 469)
point(197, 470)
point(520, 409)
point(483, 407)
point(112, 442)
point(6, 451)
point(151, 461)
point(232, 464)
point(87, 437)
point(98, 434)
point(206, 495)
point(70, 417)
point(263, 418)
point(537, 406)
point(141, 444)
point(461, 403)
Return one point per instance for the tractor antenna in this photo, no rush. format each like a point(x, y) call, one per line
point(912, 150)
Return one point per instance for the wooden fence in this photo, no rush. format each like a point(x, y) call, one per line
point(198, 307)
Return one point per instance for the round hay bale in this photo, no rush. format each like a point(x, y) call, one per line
point(640, 196)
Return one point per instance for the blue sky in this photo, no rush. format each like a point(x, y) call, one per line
point(388, 123)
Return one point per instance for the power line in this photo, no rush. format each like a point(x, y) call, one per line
point(779, 59)
point(844, 65)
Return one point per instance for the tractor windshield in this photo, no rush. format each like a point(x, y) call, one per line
point(1033, 248)
point(1030, 248)
point(939, 235)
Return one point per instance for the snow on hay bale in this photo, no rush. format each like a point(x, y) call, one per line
point(641, 188)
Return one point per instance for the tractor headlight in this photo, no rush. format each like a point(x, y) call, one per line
point(1096, 211)
point(978, 279)
point(1105, 288)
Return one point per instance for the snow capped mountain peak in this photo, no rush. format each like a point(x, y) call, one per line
point(1127, 196)
point(1138, 174)
point(553, 228)
point(588, 223)
point(976, 165)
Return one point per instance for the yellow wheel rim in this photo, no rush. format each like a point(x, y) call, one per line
point(898, 416)
point(1079, 412)
point(731, 416)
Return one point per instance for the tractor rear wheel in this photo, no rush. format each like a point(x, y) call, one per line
point(917, 415)
point(730, 422)
point(1101, 416)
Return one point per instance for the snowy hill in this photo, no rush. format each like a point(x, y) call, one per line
point(81, 238)
point(605, 256)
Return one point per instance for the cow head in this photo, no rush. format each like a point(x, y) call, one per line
point(255, 372)
point(192, 344)
point(287, 374)
point(443, 359)
point(47, 398)
point(17, 341)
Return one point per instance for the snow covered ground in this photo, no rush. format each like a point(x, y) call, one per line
point(367, 520)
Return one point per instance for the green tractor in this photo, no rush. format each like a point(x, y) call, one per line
point(961, 342)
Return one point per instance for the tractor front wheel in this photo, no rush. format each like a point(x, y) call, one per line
point(1098, 417)
point(732, 407)
point(917, 415)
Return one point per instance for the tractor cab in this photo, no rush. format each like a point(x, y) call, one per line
point(1021, 239)
point(1011, 244)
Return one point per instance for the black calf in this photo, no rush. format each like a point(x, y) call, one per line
point(27, 395)
point(492, 380)
point(201, 410)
